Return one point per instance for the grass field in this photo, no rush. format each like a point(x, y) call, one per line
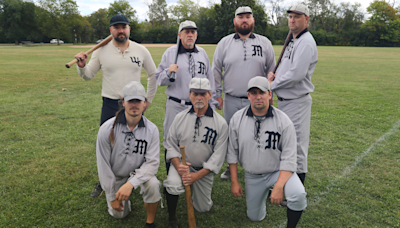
point(49, 121)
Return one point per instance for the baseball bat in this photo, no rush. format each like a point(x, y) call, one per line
point(172, 78)
point(102, 43)
point(188, 192)
point(288, 38)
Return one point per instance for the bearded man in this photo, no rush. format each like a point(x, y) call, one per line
point(238, 58)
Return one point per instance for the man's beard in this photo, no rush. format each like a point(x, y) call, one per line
point(121, 40)
point(199, 105)
point(244, 31)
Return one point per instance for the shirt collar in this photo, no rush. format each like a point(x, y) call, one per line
point(184, 50)
point(208, 113)
point(269, 113)
point(252, 36)
point(122, 120)
point(302, 32)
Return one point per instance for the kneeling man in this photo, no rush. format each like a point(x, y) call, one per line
point(204, 133)
point(128, 156)
point(263, 139)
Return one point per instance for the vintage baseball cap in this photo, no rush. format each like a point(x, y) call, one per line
point(200, 85)
point(259, 82)
point(187, 25)
point(118, 19)
point(299, 9)
point(134, 90)
point(243, 9)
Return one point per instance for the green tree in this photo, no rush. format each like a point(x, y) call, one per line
point(57, 18)
point(158, 13)
point(184, 10)
point(122, 7)
point(99, 23)
point(205, 25)
point(384, 23)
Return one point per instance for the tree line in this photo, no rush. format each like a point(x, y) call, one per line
point(330, 23)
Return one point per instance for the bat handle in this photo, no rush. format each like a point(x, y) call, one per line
point(172, 79)
point(182, 147)
point(68, 65)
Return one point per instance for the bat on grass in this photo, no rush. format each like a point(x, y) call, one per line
point(102, 43)
point(188, 192)
point(172, 78)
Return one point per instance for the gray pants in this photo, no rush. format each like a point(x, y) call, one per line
point(232, 105)
point(257, 187)
point(150, 191)
point(299, 112)
point(201, 189)
point(172, 108)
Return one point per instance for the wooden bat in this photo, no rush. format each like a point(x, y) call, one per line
point(288, 38)
point(102, 43)
point(188, 192)
point(172, 78)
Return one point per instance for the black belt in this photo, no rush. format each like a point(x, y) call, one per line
point(238, 97)
point(283, 99)
point(197, 168)
point(183, 102)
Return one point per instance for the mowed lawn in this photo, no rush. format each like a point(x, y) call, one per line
point(49, 120)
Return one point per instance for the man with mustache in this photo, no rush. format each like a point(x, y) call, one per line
point(121, 61)
point(204, 133)
point(263, 139)
point(128, 156)
point(238, 58)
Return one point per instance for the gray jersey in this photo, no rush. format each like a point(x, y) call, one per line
point(205, 139)
point(241, 60)
point(263, 147)
point(293, 77)
point(134, 151)
point(180, 87)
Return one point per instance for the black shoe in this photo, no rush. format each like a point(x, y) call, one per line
point(226, 175)
point(173, 224)
point(153, 225)
point(97, 191)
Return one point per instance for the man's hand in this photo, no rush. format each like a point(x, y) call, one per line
point(271, 77)
point(236, 189)
point(221, 103)
point(190, 178)
point(277, 195)
point(124, 192)
point(117, 205)
point(172, 68)
point(184, 169)
point(82, 58)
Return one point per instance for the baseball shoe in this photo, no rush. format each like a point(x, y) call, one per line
point(97, 191)
point(173, 224)
point(153, 225)
point(226, 174)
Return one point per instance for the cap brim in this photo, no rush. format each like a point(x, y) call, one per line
point(138, 97)
point(119, 22)
point(296, 12)
point(258, 87)
point(199, 90)
point(243, 13)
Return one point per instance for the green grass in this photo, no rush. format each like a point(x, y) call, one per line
point(48, 162)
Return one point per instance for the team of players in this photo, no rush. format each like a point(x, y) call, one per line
point(270, 144)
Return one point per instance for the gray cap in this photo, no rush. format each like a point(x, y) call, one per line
point(299, 9)
point(134, 90)
point(243, 9)
point(200, 85)
point(187, 25)
point(259, 82)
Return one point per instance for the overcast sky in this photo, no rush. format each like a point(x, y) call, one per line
point(87, 7)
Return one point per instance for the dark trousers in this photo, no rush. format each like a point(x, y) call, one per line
point(109, 109)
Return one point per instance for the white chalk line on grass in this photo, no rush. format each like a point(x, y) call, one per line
point(350, 168)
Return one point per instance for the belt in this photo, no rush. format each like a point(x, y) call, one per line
point(237, 97)
point(197, 168)
point(283, 99)
point(183, 102)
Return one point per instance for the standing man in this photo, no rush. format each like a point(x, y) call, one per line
point(192, 62)
point(121, 61)
point(292, 81)
point(128, 156)
point(263, 139)
point(204, 133)
point(241, 56)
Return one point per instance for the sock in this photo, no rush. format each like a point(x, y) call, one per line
point(172, 202)
point(302, 177)
point(293, 218)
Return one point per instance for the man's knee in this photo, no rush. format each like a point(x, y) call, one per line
point(297, 201)
point(151, 191)
point(256, 215)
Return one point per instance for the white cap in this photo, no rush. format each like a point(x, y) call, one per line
point(299, 9)
point(134, 90)
point(259, 82)
point(187, 25)
point(199, 85)
point(243, 9)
